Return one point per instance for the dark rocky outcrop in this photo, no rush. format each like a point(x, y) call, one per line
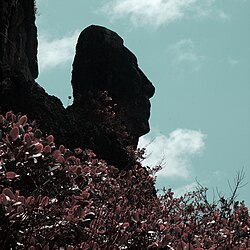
point(103, 63)
point(111, 94)
point(18, 69)
point(18, 39)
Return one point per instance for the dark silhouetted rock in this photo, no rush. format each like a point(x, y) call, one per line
point(18, 69)
point(18, 39)
point(111, 104)
point(103, 63)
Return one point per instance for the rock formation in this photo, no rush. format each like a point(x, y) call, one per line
point(111, 94)
point(18, 39)
point(18, 69)
point(103, 63)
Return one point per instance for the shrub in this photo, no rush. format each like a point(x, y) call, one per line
point(52, 197)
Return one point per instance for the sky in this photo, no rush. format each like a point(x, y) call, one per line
point(197, 55)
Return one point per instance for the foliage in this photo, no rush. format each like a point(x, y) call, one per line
point(51, 198)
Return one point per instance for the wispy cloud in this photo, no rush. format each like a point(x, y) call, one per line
point(157, 12)
point(56, 52)
point(231, 61)
point(185, 189)
point(184, 52)
point(223, 16)
point(174, 151)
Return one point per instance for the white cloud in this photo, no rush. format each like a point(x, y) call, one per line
point(222, 15)
point(157, 12)
point(52, 53)
point(185, 189)
point(231, 61)
point(174, 151)
point(184, 52)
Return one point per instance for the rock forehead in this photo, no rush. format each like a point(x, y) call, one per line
point(94, 35)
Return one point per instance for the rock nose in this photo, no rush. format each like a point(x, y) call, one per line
point(149, 90)
point(148, 87)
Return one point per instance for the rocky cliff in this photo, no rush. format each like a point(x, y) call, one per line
point(111, 94)
point(18, 39)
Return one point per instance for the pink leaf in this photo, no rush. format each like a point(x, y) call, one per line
point(9, 115)
point(1, 119)
point(136, 216)
point(27, 139)
point(71, 159)
point(62, 149)
point(14, 133)
point(38, 148)
point(14, 119)
point(30, 200)
point(60, 159)
point(56, 154)
point(11, 175)
point(47, 149)
point(9, 193)
point(20, 209)
point(50, 139)
point(45, 201)
point(3, 199)
point(23, 120)
point(162, 227)
point(21, 199)
point(30, 129)
point(85, 195)
point(125, 224)
point(78, 151)
point(17, 193)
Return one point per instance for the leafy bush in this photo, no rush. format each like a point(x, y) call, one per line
point(51, 198)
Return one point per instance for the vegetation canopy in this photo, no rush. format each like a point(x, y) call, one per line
point(51, 198)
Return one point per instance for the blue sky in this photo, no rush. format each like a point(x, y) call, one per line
point(196, 53)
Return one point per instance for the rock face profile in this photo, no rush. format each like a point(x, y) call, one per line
point(111, 106)
point(103, 63)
